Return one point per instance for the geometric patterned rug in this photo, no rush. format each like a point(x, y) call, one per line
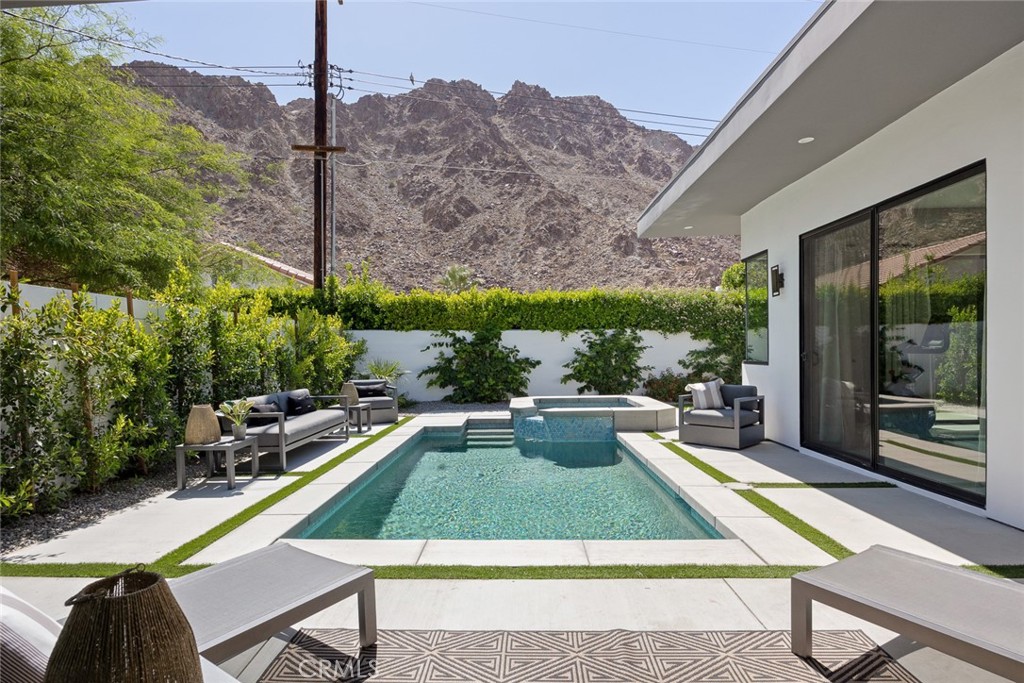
point(580, 657)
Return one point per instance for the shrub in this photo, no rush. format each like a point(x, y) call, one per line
point(245, 347)
point(184, 331)
point(147, 404)
point(324, 356)
point(479, 369)
point(30, 442)
point(957, 375)
point(666, 387)
point(610, 363)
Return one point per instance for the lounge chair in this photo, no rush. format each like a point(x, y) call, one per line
point(242, 602)
point(970, 616)
point(231, 606)
point(738, 424)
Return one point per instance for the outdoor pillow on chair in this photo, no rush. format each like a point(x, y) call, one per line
point(373, 389)
point(707, 394)
point(300, 405)
point(271, 407)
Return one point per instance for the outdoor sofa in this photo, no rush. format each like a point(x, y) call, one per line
point(288, 419)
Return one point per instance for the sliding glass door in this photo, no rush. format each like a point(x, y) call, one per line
point(838, 341)
point(893, 337)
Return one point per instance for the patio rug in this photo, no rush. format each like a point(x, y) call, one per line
point(580, 657)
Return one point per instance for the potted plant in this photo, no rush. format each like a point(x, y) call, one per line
point(237, 412)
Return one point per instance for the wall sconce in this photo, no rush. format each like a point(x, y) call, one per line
point(778, 281)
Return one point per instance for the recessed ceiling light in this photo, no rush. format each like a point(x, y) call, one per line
point(687, 227)
point(804, 141)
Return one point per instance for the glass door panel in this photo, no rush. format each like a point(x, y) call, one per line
point(838, 341)
point(931, 328)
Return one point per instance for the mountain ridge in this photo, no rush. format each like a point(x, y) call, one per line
point(529, 190)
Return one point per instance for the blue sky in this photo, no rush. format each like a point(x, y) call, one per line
point(687, 58)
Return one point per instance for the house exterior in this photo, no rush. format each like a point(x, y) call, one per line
point(878, 164)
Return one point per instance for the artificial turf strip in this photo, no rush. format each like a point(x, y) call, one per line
point(787, 518)
point(824, 485)
point(679, 571)
point(717, 475)
point(167, 563)
point(935, 454)
point(1005, 571)
point(655, 435)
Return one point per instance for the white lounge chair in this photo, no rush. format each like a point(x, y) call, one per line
point(970, 616)
point(242, 602)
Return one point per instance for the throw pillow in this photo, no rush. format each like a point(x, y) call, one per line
point(254, 418)
point(372, 389)
point(300, 406)
point(707, 395)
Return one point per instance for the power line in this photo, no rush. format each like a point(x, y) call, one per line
point(127, 46)
point(595, 29)
point(534, 97)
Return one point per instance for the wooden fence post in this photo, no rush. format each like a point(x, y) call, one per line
point(129, 303)
point(15, 292)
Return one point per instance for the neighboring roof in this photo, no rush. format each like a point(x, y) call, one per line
point(900, 264)
point(853, 69)
point(277, 266)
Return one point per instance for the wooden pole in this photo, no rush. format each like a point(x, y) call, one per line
point(12, 274)
point(129, 303)
point(319, 140)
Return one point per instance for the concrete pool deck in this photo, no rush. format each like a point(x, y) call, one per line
point(855, 517)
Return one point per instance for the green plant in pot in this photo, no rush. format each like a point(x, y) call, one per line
point(237, 412)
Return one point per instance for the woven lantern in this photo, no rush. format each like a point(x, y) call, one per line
point(126, 628)
point(202, 426)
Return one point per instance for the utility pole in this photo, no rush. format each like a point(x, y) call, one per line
point(320, 142)
point(334, 143)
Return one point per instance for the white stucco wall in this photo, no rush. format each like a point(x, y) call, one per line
point(35, 296)
point(547, 347)
point(979, 118)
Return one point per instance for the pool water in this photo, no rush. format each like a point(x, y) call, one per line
point(444, 490)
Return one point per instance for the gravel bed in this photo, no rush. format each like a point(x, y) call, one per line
point(84, 509)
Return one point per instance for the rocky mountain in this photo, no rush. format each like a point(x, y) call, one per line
point(529, 190)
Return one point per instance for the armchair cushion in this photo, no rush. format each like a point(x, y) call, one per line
point(719, 417)
point(731, 392)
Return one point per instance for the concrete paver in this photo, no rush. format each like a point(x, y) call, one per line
point(729, 551)
point(772, 462)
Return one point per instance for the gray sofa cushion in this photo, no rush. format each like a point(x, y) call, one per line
point(299, 427)
point(731, 392)
point(719, 417)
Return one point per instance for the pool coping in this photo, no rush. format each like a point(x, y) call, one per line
point(644, 414)
point(751, 537)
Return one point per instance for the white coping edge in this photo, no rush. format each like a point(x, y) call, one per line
point(731, 549)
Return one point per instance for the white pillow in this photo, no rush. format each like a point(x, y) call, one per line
point(707, 394)
point(27, 637)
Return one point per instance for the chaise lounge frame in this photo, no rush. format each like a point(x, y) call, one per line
point(243, 602)
point(970, 616)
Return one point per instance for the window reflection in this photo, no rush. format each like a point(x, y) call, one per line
point(931, 275)
point(757, 308)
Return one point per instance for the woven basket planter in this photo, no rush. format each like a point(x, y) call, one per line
point(202, 426)
point(126, 628)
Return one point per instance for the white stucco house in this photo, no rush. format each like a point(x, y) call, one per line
point(878, 163)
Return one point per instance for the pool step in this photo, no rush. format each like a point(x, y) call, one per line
point(489, 437)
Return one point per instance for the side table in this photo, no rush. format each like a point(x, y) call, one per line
point(360, 409)
point(227, 445)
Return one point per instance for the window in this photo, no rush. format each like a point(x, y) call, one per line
point(756, 279)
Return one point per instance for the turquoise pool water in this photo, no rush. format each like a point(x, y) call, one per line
point(440, 489)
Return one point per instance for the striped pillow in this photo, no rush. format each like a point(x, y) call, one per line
point(707, 394)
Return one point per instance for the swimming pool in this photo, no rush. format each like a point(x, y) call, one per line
point(438, 488)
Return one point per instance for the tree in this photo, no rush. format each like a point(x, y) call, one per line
point(99, 187)
point(457, 279)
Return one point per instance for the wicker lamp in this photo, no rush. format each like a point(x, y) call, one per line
point(202, 426)
point(126, 628)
